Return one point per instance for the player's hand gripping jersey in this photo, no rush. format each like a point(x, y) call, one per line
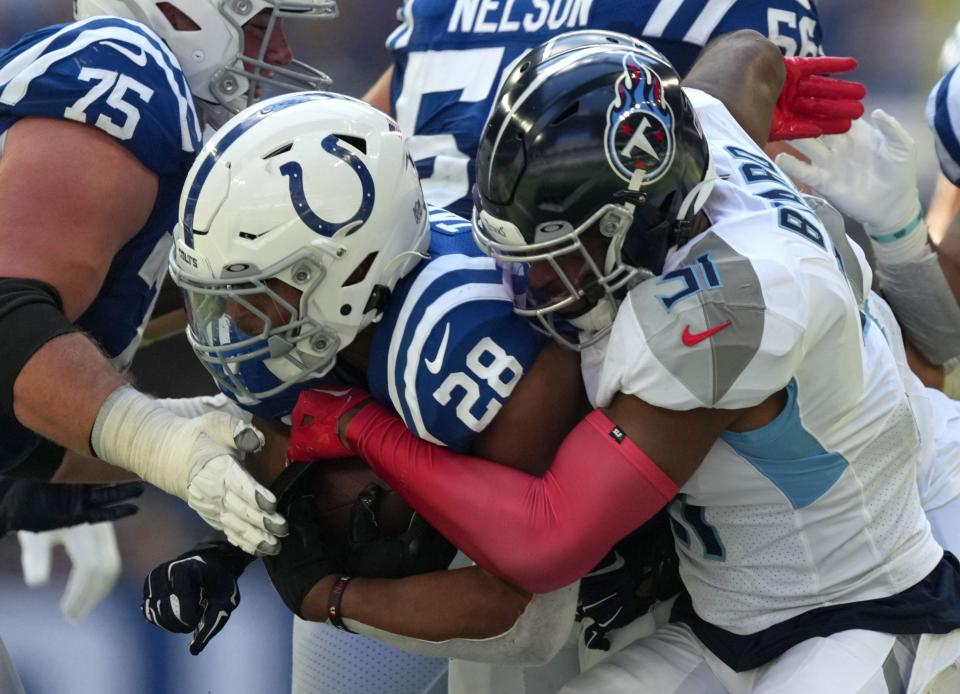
point(451, 56)
point(819, 506)
point(115, 75)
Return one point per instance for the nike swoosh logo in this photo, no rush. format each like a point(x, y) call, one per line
point(618, 563)
point(140, 58)
point(690, 339)
point(433, 366)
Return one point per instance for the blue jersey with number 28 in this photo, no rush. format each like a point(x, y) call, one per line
point(450, 350)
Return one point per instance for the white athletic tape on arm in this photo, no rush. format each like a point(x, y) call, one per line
point(134, 432)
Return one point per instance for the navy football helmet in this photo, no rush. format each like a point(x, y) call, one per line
point(591, 145)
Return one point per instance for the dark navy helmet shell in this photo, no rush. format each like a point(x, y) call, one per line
point(585, 139)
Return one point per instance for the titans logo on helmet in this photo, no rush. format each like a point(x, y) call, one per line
point(639, 134)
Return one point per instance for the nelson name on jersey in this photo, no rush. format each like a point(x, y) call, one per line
point(500, 16)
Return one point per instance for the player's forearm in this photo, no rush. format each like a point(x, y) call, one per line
point(463, 603)
point(745, 72)
point(539, 533)
point(78, 468)
point(533, 639)
point(60, 390)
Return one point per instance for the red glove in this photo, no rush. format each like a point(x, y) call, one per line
point(315, 420)
point(811, 105)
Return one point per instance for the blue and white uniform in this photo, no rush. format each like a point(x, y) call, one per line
point(450, 350)
point(115, 75)
point(450, 58)
point(446, 355)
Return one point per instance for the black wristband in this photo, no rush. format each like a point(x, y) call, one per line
point(334, 614)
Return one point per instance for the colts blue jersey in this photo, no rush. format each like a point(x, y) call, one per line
point(450, 350)
point(447, 353)
point(450, 58)
point(117, 76)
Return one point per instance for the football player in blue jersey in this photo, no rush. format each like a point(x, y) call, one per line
point(323, 266)
point(98, 127)
point(450, 57)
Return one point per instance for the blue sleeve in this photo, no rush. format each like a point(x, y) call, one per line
point(110, 73)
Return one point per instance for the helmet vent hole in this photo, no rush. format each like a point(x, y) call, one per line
point(613, 39)
point(279, 150)
point(523, 68)
point(358, 143)
point(568, 112)
point(360, 273)
point(177, 18)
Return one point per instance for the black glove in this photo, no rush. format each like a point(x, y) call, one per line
point(37, 506)
point(195, 592)
point(417, 550)
point(608, 596)
point(640, 570)
point(304, 557)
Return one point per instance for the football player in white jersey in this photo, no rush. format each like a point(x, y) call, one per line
point(727, 342)
point(84, 244)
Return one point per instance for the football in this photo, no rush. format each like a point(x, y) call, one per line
point(338, 483)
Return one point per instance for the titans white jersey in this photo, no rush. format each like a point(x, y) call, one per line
point(819, 506)
point(115, 75)
point(449, 350)
point(450, 58)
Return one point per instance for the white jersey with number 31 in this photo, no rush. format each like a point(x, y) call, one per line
point(820, 506)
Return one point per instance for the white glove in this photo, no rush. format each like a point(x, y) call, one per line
point(95, 563)
point(195, 459)
point(868, 173)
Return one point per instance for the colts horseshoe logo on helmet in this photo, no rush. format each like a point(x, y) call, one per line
point(639, 134)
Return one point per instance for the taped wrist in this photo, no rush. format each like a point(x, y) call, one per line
point(134, 432)
point(31, 314)
point(903, 235)
point(304, 559)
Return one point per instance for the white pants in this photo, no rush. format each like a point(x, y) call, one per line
point(854, 662)
point(329, 661)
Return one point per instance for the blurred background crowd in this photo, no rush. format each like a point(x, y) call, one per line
point(114, 650)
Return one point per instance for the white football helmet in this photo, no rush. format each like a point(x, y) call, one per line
point(212, 56)
point(312, 190)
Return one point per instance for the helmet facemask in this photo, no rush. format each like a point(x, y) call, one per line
point(297, 220)
point(251, 319)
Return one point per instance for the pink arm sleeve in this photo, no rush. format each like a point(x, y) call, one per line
point(539, 533)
